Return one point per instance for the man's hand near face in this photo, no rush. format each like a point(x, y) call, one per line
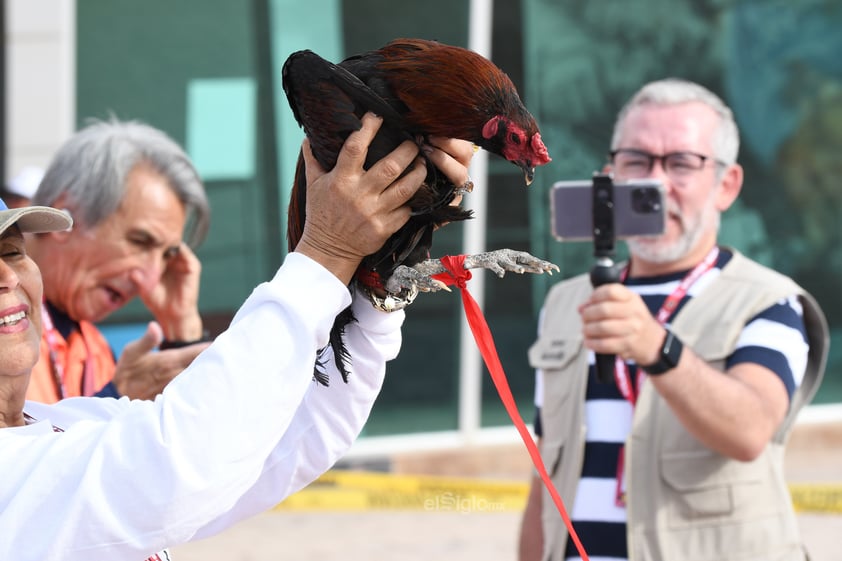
point(174, 301)
point(143, 373)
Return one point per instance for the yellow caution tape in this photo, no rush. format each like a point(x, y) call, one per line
point(354, 490)
point(812, 497)
point(341, 490)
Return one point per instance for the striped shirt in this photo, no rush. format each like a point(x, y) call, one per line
point(776, 338)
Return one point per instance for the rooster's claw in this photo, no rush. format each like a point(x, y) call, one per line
point(498, 262)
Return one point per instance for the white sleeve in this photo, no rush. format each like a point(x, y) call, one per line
point(145, 475)
point(329, 418)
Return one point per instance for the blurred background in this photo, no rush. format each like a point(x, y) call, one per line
point(208, 73)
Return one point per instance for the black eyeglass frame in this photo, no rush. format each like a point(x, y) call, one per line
point(662, 158)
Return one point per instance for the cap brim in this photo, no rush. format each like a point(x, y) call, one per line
point(35, 219)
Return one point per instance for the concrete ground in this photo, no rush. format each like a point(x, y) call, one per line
point(408, 536)
point(814, 456)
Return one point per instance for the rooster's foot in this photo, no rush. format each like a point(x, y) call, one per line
point(498, 262)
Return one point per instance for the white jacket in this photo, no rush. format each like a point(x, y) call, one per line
point(238, 431)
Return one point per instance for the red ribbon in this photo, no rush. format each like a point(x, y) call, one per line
point(369, 278)
point(456, 274)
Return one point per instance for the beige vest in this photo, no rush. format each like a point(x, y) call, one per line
point(684, 501)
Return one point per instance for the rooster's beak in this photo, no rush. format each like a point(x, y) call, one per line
point(528, 172)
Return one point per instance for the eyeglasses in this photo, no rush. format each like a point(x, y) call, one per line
point(679, 166)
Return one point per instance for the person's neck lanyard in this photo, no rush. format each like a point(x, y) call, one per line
point(52, 336)
point(631, 389)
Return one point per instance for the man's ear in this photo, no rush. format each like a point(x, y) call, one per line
point(729, 187)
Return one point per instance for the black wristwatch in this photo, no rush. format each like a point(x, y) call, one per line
point(668, 356)
point(175, 344)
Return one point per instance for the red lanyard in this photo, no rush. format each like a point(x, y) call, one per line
point(52, 335)
point(622, 377)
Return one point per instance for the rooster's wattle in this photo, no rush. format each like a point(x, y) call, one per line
point(421, 88)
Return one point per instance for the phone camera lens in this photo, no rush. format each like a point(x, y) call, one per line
point(646, 200)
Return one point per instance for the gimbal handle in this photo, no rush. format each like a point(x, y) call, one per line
point(604, 271)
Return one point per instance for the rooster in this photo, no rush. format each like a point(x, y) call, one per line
point(420, 88)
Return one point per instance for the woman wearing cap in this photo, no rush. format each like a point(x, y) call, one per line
point(238, 431)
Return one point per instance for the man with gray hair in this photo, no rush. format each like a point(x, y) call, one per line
point(681, 455)
point(133, 193)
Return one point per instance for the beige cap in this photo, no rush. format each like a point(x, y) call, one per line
point(34, 219)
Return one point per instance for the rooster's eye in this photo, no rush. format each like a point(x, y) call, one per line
point(514, 138)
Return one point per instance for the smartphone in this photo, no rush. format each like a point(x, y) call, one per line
point(639, 209)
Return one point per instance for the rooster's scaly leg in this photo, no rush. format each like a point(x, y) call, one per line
point(499, 262)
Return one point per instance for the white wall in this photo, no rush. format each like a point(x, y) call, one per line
point(41, 79)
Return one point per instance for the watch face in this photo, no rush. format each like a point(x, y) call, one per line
point(671, 350)
point(669, 356)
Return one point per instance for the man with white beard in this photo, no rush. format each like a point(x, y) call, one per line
point(681, 457)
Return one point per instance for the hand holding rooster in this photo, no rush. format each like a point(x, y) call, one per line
point(335, 236)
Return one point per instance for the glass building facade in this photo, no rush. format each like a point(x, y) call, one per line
point(208, 73)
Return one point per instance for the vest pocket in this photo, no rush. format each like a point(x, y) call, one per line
point(553, 356)
point(554, 353)
point(700, 484)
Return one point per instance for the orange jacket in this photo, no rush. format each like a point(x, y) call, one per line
point(71, 355)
